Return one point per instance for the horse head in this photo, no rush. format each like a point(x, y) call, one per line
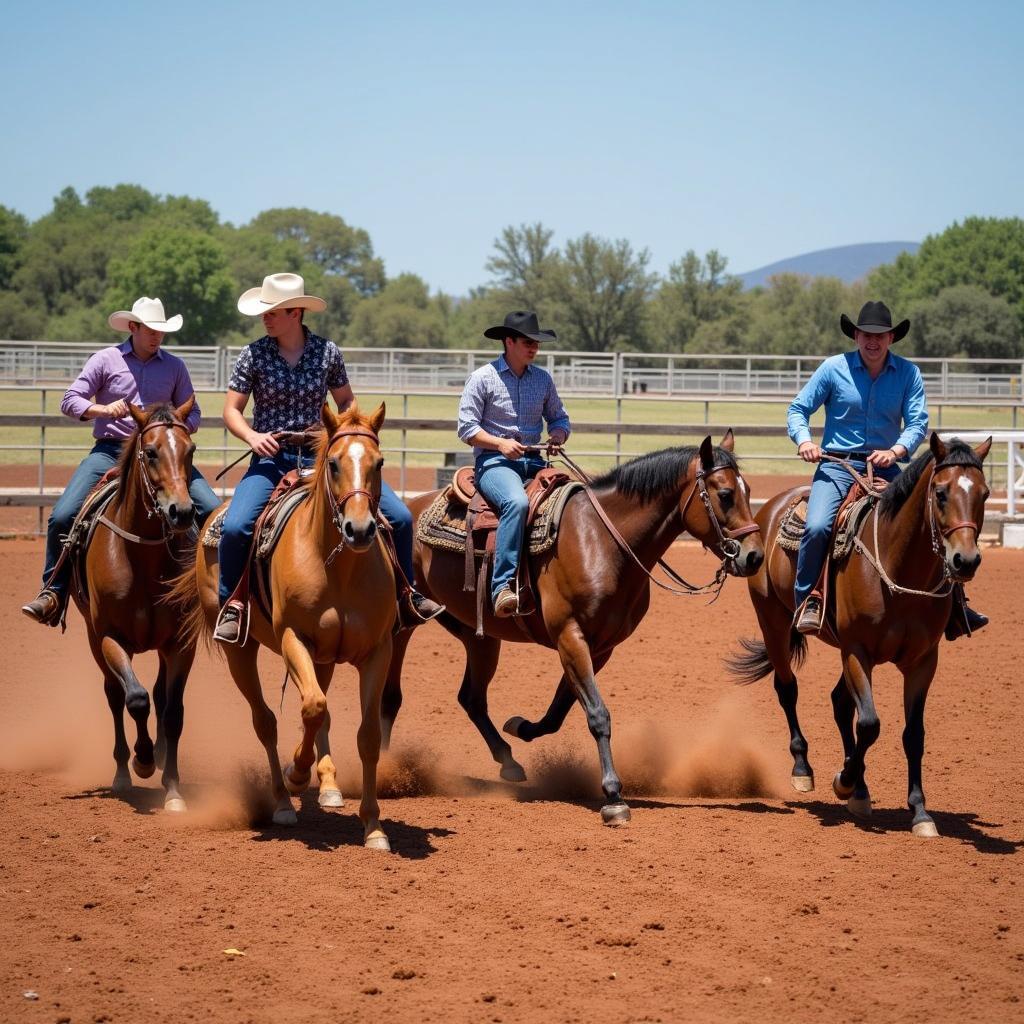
point(957, 504)
point(351, 465)
point(163, 448)
point(721, 520)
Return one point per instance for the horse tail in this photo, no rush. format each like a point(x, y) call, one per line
point(184, 596)
point(753, 663)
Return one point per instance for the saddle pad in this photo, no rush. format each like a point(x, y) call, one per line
point(443, 524)
point(794, 521)
point(271, 531)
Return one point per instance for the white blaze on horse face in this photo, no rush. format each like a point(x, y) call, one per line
point(356, 450)
point(965, 483)
point(743, 484)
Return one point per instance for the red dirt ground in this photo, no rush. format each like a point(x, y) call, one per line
point(729, 897)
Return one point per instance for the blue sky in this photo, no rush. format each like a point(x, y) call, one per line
point(761, 129)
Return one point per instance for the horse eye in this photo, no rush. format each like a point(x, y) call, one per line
point(151, 454)
point(941, 495)
point(380, 464)
point(726, 496)
point(191, 450)
point(333, 463)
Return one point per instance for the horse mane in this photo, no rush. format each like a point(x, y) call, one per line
point(894, 497)
point(650, 476)
point(157, 412)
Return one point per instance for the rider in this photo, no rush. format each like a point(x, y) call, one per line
point(137, 371)
point(288, 372)
point(499, 414)
point(866, 394)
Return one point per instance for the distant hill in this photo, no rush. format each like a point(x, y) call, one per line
point(847, 262)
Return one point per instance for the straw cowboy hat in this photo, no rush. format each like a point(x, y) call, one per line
point(521, 324)
point(279, 291)
point(145, 311)
point(874, 318)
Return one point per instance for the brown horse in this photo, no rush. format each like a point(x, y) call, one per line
point(893, 596)
point(592, 590)
point(332, 593)
point(134, 554)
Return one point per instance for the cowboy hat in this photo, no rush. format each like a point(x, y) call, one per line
point(279, 291)
point(145, 311)
point(521, 323)
point(874, 318)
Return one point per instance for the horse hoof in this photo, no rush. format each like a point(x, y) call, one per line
point(925, 830)
point(330, 798)
point(859, 807)
point(293, 787)
point(513, 772)
point(615, 814)
point(175, 805)
point(286, 816)
point(803, 783)
point(121, 783)
point(377, 841)
point(841, 791)
point(512, 726)
point(141, 769)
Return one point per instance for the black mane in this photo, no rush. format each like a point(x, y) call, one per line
point(894, 497)
point(650, 476)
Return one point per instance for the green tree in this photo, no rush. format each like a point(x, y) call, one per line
point(966, 321)
point(523, 266)
point(401, 316)
point(20, 321)
point(188, 271)
point(13, 235)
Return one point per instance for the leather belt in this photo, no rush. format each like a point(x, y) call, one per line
point(850, 456)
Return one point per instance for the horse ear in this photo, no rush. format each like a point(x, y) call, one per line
point(938, 447)
point(982, 450)
point(728, 441)
point(707, 453)
point(329, 420)
point(185, 408)
point(377, 419)
point(139, 415)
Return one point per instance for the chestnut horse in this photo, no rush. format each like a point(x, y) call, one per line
point(332, 592)
point(893, 596)
point(592, 589)
point(134, 554)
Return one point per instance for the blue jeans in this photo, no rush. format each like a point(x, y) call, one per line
point(831, 483)
point(251, 497)
point(502, 482)
point(103, 456)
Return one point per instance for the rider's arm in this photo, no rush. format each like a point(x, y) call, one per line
point(556, 416)
point(471, 412)
point(915, 414)
point(183, 390)
point(234, 406)
point(798, 418)
point(343, 396)
point(78, 399)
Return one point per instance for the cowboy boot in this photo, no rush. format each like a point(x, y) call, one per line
point(415, 608)
point(45, 608)
point(229, 623)
point(963, 620)
point(506, 603)
point(810, 615)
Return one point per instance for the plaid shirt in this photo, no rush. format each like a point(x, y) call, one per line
point(287, 397)
point(496, 400)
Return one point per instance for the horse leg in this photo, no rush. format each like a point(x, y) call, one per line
point(916, 682)
point(579, 670)
point(160, 707)
point(175, 664)
point(244, 671)
point(481, 664)
point(300, 667)
point(849, 783)
point(115, 700)
point(136, 700)
point(330, 794)
point(391, 699)
point(372, 673)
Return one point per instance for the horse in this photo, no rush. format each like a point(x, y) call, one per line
point(893, 596)
point(332, 600)
point(592, 589)
point(126, 572)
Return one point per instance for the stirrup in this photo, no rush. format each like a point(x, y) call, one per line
point(810, 616)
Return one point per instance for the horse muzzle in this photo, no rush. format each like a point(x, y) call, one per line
point(743, 557)
point(179, 515)
point(359, 534)
point(962, 565)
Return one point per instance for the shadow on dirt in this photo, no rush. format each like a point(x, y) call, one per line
point(141, 799)
point(964, 826)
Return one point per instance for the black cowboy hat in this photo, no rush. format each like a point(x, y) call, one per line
point(522, 323)
point(874, 318)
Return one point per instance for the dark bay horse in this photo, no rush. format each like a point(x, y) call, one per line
point(893, 599)
point(135, 553)
point(333, 601)
point(591, 592)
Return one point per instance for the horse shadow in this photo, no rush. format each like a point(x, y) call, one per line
point(141, 799)
point(325, 831)
point(963, 826)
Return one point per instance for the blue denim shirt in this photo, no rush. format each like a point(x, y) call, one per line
point(498, 401)
point(862, 414)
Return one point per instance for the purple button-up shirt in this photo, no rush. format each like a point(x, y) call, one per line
point(117, 372)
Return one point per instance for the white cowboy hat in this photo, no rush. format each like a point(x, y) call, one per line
point(145, 311)
point(279, 291)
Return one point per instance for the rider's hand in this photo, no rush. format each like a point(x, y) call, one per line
point(882, 457)
point(116, 409)
point(263, 444)
point(809, 452)
point(511, 448)
point(556, 439)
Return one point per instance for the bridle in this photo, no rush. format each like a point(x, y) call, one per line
point(337, 505)
point(728, 539)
